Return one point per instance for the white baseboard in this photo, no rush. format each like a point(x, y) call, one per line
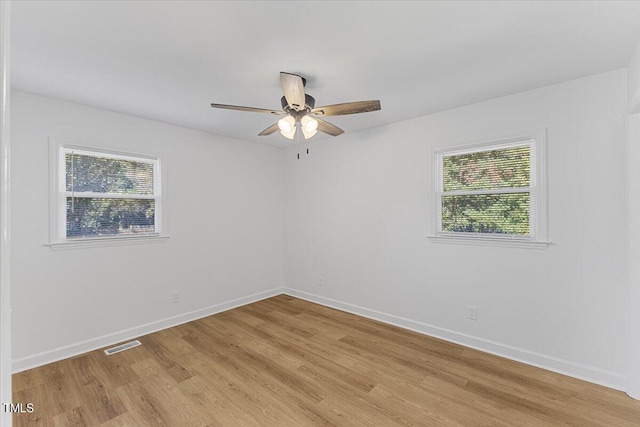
point(566, 367)
point(71, 350)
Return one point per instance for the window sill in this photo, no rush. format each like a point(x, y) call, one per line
point(106, 241)
point(491, 241)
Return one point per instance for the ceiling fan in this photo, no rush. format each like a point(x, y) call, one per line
point(299, 108)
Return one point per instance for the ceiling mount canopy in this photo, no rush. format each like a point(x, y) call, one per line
point(300, 111)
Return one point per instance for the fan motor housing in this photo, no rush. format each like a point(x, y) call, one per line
point(309, 101)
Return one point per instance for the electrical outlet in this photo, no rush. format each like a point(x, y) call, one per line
point(175, 297)
point(320, 280)
point(472, 312)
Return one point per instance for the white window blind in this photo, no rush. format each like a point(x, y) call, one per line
point(108, 195)
point(488, 190)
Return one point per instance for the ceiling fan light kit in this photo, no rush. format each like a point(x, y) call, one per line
point(300, 110)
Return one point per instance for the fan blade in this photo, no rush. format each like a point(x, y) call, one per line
point(271, 129)
point(347, 108)
point(250, 109)
point(293, 88)
point(328, 128)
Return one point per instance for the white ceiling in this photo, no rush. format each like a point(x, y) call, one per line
point(168, 61)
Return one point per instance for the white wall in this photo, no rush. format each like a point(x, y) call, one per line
point(359, 208)
point(634, 76)
point(225, 212)
point(5, 197)
point(633, 183)
point(633, 303)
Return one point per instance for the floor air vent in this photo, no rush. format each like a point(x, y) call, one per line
point(122, 347)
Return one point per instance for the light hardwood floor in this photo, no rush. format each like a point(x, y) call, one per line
point(288, 362)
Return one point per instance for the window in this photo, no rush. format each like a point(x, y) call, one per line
point(104, 196)
point(492, 192)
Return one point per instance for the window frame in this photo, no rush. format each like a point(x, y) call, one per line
point(58, 197)
point(537, 190)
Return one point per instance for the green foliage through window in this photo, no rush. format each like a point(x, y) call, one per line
point(484, 170)
point(475, 197)
point(126, 204)
point(107, 175)
point(486, 213)
point(103, 217)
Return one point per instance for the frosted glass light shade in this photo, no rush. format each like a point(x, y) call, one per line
point(309, 123)
point(286, 124)
point(308, 134)
point(290, 134)
point(309, 126)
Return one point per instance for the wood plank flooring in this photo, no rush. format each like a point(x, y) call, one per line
point(288, 362)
